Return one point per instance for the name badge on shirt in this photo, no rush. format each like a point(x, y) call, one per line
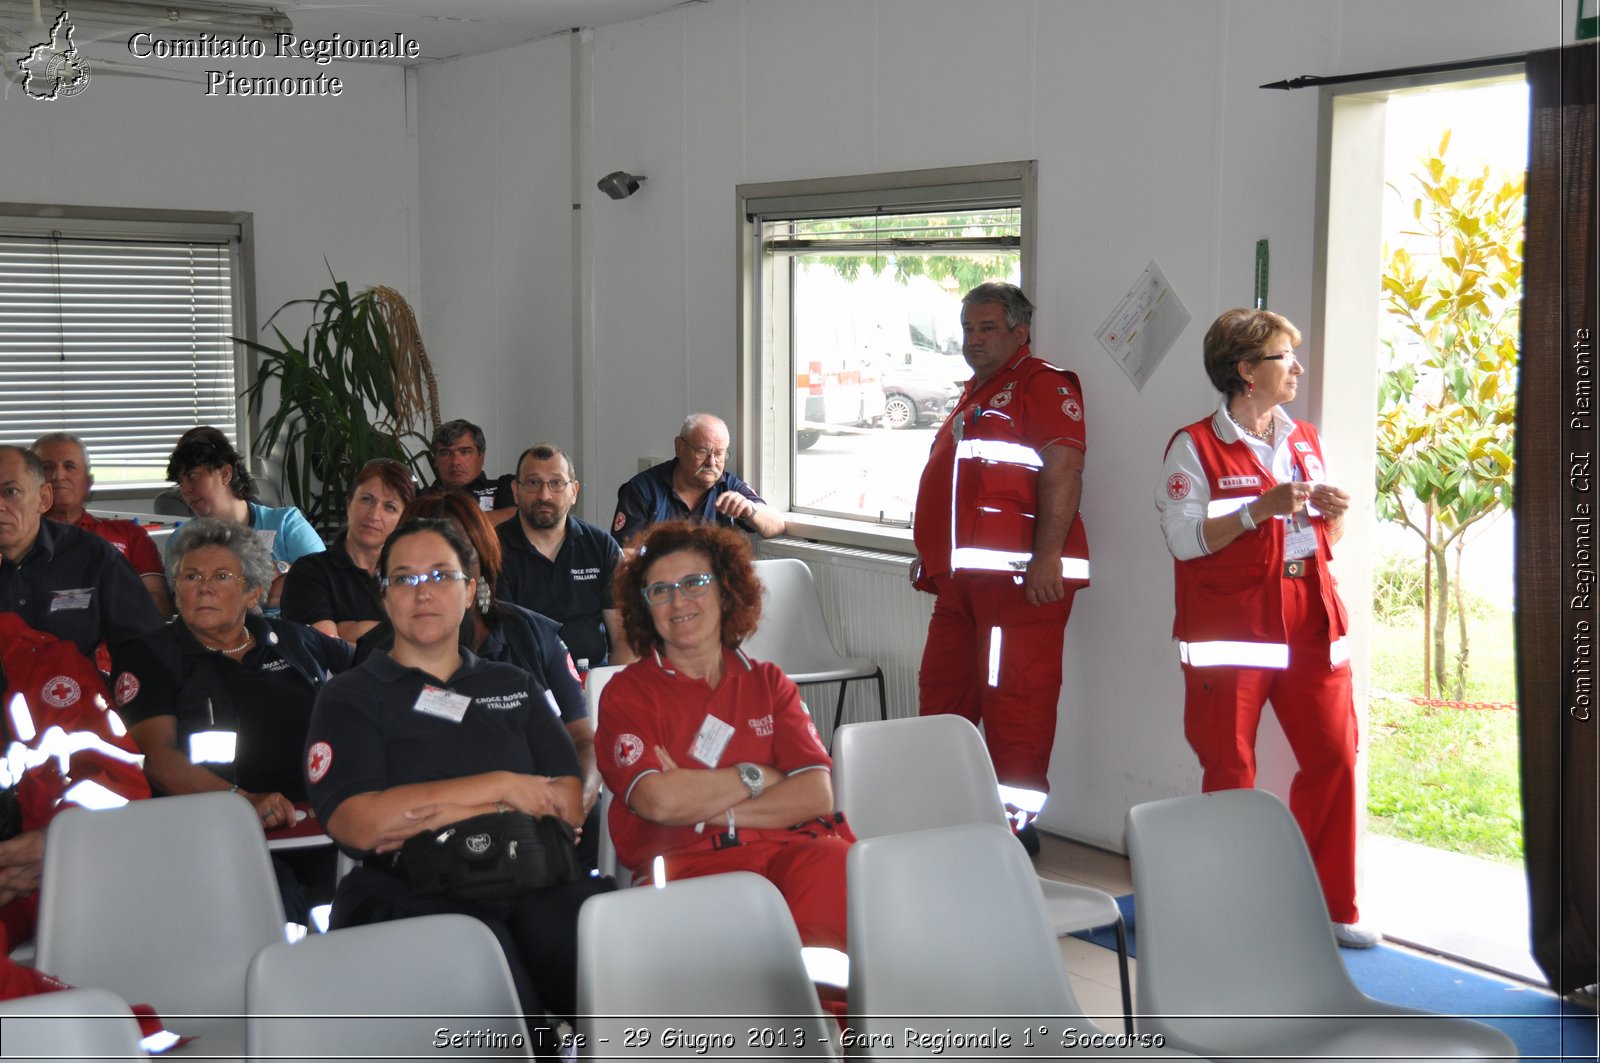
point(711, 741)
point(442, 703)
point(77, 598)
point(1301, 540)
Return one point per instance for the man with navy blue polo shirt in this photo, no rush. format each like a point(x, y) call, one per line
point(560, 566)
point(63, 580)
point(693, 486)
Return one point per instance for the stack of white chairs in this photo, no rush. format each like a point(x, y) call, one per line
point(594, 683)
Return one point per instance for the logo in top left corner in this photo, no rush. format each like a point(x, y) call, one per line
point(54, 69)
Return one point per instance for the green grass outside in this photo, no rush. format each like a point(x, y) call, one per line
point(1441, 777)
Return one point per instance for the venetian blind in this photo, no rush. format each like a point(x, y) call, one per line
point(125, 341)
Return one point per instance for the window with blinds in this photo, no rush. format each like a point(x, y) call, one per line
point(120, 329)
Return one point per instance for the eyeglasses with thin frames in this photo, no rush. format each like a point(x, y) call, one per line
point(222, 578)
point(693, 585)
point(413, 580)
point(555, 487)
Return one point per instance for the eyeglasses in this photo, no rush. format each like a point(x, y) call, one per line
point(413, 580)
point(694, 585)
point(1295, 358)
point(706, 453)
point(221, 578)
point(555, 487)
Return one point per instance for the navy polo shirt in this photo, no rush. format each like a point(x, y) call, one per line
point(491, 494)
point(265, 699)
point(571, 590)
point(74, 585)
point(516, 637)
point(649, 499)
point(367, 733)
point(330, 586)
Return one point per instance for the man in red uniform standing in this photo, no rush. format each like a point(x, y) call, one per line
point(1000, 543)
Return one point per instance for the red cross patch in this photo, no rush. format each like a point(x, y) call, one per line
point(319, 758)
point(61, 691)
point(618, 521)
point(127, 688)
point(1179, 486)
point(628, 750)
point(1072, 409)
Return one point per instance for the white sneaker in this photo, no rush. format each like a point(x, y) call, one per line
point(1350, 936)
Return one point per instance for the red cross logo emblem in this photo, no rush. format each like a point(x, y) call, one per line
point(319, 758)
point(61, 691)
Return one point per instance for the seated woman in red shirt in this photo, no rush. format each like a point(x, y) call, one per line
point(714, 761)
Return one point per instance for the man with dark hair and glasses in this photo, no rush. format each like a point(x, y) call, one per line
point(694, 485)
point(459, 449)
point(558, 565)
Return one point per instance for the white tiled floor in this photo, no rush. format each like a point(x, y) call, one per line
point(1091, 969)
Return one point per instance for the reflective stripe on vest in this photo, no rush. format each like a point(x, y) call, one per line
point(1338, 652)
point(976, 558)
point(1237, 654)
point(1018, 797)
point(999, 450)
point(90, 794)
point(1221, 507)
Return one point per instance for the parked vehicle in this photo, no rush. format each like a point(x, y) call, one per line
point(915, 397)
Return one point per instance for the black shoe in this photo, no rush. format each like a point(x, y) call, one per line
point(1029, 839)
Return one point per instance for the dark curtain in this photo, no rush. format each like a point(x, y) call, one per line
point(1558, 520)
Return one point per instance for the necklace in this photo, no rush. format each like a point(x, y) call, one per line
point(1265, 437)
point(249, 640)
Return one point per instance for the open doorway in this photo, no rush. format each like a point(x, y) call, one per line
point(1424, 238)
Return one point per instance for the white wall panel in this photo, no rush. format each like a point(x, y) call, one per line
point(1153, 141)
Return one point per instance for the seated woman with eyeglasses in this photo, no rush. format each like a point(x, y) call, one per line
point(714, 761)
point(428, 734)
point(220, 698)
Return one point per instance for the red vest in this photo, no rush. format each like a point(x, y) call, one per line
point(985, 473)
point(1230, 603)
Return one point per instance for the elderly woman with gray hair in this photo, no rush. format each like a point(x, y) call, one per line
point(220, 698)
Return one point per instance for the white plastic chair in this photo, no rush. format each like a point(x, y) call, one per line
point(716, 957)
point(75, 1024)
point(894, 776)
point(1236, 953)
point(164, 902)
point(385, 990)
point(793, 634)
point(948, 931)
point(594, 683)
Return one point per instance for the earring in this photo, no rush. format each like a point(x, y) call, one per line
point(485, 597)
point(1249, 387)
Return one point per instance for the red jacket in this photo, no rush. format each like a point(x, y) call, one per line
point(979, 493)
point(63, 743)
point(1230, 603)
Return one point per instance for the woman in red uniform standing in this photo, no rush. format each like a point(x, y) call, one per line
point(1251, 522)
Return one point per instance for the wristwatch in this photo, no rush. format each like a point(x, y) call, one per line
point(750, 775)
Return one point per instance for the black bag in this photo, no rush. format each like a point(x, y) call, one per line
point(491, 857)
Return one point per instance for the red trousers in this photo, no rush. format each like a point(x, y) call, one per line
point(996, 660)
point(1314, 705)
point(808, 871)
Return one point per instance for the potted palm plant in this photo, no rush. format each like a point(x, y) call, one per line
point(350, 391)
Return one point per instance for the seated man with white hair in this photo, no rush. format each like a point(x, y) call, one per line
point(694, 485)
